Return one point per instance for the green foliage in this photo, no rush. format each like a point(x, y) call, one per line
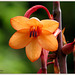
point(12, 61)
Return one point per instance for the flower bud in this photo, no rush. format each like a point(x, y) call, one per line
point(68, 48)
point(74, 49)
point(40, 71)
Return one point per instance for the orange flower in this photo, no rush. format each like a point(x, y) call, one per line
point(34, 34)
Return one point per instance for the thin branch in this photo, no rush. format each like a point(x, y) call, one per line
point(60, 55)
point(56, 67)
point(50, 63)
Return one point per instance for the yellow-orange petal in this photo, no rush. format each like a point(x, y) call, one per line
point(19, 40)
point(48, 42)
point(33, 50)
point(50, 25)
point(24, 30)
point(34, 22)
point(19, 22)
point(45, 32)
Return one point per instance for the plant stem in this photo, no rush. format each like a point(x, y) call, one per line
point(35, 8)
point(44, 66)
point(61, 57)
point(50, 63)
point(56, 67)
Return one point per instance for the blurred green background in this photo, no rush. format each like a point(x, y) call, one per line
point(15, 61)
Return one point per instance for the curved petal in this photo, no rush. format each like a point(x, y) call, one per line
point(19, 22)
point(48, 42)
point(45, 32)
point(50, 25)
point(19, 40)
point(34, 22)
point(24, 30)
point(33, 50)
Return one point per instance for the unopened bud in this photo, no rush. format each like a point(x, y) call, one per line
point(40, 71)
point(68, 48)
point(74, 49)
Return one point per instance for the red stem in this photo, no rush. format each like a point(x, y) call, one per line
point(44, 67)
point(35, 8)
point(52, 56)
point(50, 63)
point(60, 55)
point(56, 67)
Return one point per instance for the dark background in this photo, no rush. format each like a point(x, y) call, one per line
point(15, 61)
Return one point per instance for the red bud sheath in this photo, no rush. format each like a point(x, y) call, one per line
point(40, 71)
point(68, 48)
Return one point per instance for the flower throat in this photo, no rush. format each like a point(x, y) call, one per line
point(34, 31)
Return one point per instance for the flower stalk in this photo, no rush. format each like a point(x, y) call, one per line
point(50, 63)
point(35, 8)
point(43, 63)
point(56, 67)
point(61, 57)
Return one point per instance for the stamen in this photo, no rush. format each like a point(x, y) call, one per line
point(30, 33)
point(35, 33)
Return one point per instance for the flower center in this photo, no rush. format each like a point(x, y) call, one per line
point(34, 31)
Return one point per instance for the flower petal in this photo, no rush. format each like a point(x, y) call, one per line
point(19, 40)
point(50, 25)
point(34, 22)
point(19, 22)
point(45, 32)
point(48, 42)
point(24, 30)
point(33, 50)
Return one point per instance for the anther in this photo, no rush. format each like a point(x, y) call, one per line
point(35, 33)
point(30, 33)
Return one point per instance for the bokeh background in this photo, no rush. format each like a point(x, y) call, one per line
point(15, 61)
